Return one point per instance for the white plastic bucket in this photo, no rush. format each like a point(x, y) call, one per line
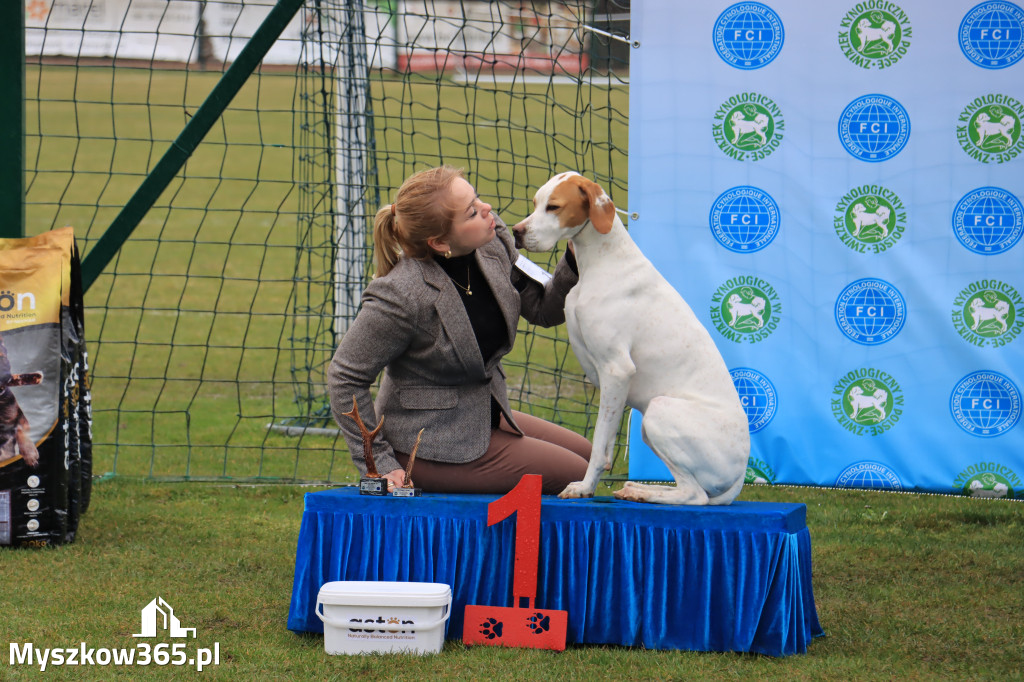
point(364, 617)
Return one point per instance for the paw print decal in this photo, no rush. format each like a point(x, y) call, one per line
point(539, 623)
point(491, 628)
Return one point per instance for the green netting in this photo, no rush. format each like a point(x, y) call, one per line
point(212, 328)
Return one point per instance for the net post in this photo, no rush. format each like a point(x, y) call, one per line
point(12, 113)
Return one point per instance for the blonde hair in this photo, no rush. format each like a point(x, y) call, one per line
point(422, 210)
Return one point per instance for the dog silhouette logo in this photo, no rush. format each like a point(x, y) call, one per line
point(744, 219)
point(748, 126)
point(988, 220)
point(867, 401)
point(757, 395)
point(158, 615)
point(870, 475)
point(989, 128)
point(745, 309)
point(748, 35)
point(991, 34)
point(874, 128)
point(875, 35)
point(870, 218)
point(986, 313)
point(988, 479)
point(870, 311)
point(985, 403)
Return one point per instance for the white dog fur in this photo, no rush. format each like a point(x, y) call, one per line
point(642, 345)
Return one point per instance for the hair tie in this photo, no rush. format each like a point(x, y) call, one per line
point(392, 210)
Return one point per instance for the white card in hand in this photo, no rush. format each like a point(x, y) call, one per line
point(532, 270)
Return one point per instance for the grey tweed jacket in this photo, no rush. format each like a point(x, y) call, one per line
point(413, 326)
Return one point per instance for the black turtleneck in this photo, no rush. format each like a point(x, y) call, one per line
point(482, 308)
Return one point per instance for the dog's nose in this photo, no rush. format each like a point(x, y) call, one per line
point(518, 230)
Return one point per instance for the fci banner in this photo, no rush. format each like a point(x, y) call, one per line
point(835, 189)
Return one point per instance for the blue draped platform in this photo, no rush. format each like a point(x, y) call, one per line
point(734, 578)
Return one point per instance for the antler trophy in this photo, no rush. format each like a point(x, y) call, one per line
point(373, 483)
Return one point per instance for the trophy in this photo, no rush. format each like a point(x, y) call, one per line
point(407, 489)
point(372, 483)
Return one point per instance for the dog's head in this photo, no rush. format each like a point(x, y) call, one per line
point(563, 206)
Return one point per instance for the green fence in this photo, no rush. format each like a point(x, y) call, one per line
point(212, 325)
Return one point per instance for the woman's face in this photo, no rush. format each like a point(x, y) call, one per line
point(473, 224)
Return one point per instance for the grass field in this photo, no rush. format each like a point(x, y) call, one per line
point(907, 587)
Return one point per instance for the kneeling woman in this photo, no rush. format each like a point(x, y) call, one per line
point(437, 318)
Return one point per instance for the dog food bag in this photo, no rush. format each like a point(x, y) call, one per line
point(42, 392)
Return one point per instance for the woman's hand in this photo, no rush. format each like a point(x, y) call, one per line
point(396, 479)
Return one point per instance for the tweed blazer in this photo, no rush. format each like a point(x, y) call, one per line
point(413, 326)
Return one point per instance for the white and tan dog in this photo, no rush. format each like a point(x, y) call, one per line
point(641, 344)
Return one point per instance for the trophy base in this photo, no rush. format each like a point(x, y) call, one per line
point(373, 486)
point(407, 492)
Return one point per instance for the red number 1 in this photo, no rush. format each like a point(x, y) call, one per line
point(519, 625)
point(524, 502)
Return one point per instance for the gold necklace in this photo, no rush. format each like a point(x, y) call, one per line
point(469, 284)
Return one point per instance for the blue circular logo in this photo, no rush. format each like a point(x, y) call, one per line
point(874, 128)
point(748, 35)
point(985, 404)
point(870, 475)
point(757, 395)
point(988, 220)
point(744, 219)
point(992, 34)
point(870, 311)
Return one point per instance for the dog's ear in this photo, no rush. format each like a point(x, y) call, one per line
point(602, 210)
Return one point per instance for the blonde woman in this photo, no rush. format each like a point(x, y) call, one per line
point(437, 318)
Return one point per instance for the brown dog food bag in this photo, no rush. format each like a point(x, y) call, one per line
point(41, 391)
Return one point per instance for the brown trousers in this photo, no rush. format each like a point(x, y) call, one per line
point(559, 455)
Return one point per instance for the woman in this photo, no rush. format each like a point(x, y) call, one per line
point(439, 315)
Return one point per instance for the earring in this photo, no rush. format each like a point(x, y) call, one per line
point(448, 253)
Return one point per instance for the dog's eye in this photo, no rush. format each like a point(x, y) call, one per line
point(551, 207)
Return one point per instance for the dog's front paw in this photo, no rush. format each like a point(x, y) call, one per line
point(574, 490)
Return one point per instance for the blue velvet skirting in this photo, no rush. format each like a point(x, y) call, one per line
point(735, 578)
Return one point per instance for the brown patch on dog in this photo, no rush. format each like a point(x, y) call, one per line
point(578, 199)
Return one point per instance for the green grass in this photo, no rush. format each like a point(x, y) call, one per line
point(907, 587)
